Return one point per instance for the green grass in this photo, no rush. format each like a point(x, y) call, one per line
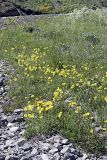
point(57, 6)
point(76, 48)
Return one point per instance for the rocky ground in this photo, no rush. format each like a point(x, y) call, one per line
point(13, 145)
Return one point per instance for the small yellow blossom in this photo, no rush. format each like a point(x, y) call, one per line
point(103, 129)
point(29, 115)
point(91, 131)
point(59, 114)
point(105, 121)
point(72, 103)
point(105, 99)
point(86, 114)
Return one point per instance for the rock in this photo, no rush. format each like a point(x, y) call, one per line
point(2, 147)
point(65, 141)
point(4, 118)
point(45, 157)
point(2, 90)
point(21, 142)
point(1, 81)
point(11, 124)
point(11, 119)
point(14, 129)
point(34, 151)
point(2, 157)
point(58, 146)
point(69, 156)
point(9, 142)
point(27, 147)
point(11, 158)
point(104, 157)
point(85, 156)
point(45, 146)
point(18, 111)
point(37, 158)
point(22, 132)
point(56, 4)
point(19, 118)
point(53, 151)
point(57, 139)
point(65, 149)
point(104, 3)
point(75, 152)
point(56, 156)
point(97, 129)
point(7, 9)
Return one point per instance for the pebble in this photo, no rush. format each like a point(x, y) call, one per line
point(14, 129)
point(65, 149)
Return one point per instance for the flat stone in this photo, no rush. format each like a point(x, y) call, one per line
point(27, 147)
point(37, 158)
point(53, 150)
point(56, 156)
point(34, 151)
point(58, 146)
point(45, 146)
point(11, 124)
point(2, 157)
point(18, 111)
point(1, 81)
point(69, 156)
point(76, 152)
point(65, 149)
point(11, 158)
point(9, 142)
point(11, 119)
point(45, 157)
point(21, 142)
point(65, 141)
point(14, 129)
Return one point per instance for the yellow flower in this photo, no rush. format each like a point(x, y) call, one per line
point(32, 96)
point(105, 121)
point(72, 103)
point(48, 108)
point(32, 68)
point(28, 108)
point(63, 84)
point(59, 114)
point(78, 109)
point(91, 131)
point(29, 115)
point(86, 114)
point(15, 79)
point(58, 94)
point(106, 74)
point(105, 98)
point(49, 80)
point(103, 129)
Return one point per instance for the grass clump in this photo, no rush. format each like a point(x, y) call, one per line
point(61, 76)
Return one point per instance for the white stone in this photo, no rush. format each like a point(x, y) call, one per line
point(14, 129)
point(45, 157)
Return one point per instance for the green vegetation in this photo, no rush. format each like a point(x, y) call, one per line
point(56, 6)
point(61, 75)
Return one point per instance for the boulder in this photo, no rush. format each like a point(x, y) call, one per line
point(104, 3)
point(7, 9)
